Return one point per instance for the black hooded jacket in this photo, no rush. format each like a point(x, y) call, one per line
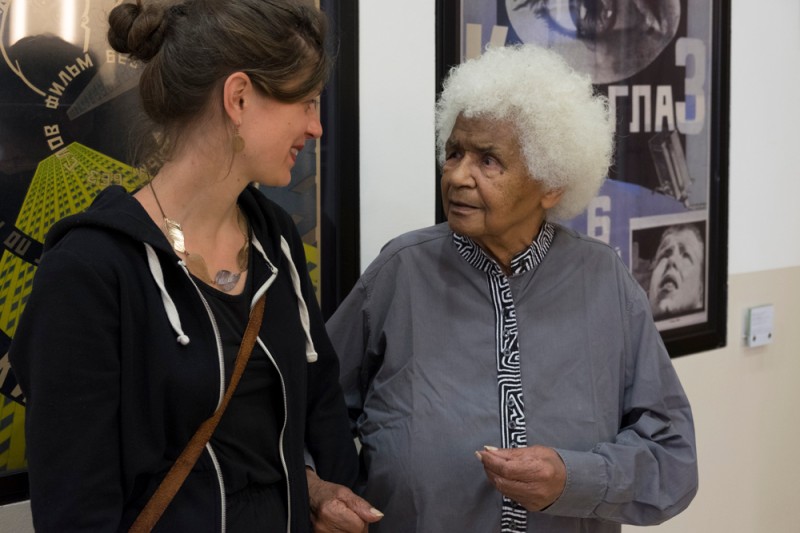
point(118, 358)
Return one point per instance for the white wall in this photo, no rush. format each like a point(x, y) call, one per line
point(764, 152)
point(397, 86)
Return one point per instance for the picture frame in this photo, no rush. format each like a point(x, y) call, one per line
point(340, 199)
point(664, 68)
point(62, 128)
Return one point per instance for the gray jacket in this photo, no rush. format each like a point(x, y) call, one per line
point(416, 340)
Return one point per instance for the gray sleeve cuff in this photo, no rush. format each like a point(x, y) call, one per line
point(586, 485)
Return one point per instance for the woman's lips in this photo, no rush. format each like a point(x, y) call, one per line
point(460, 208)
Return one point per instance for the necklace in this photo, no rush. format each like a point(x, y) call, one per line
point(224, 279)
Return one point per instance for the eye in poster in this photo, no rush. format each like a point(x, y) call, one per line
point(663, 65)
point(67, 104)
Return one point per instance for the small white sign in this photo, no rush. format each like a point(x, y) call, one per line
point(760, 321)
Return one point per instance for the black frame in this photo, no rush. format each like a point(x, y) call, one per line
point(14, 488)
point(684, 340)
point(340, 235)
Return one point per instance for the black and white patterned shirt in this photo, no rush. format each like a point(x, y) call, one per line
point(509, 378)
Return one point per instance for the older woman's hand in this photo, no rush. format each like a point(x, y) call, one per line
point(336, 509)
point(534, 477)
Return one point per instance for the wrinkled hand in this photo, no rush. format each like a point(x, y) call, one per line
point(336, 509)
point(534, 477)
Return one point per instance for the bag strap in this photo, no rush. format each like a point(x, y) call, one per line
point(177, 474)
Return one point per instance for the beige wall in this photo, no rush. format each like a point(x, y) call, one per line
point(745, 402)
point(16, 517)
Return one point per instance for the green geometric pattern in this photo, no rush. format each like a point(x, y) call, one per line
point(64, 184)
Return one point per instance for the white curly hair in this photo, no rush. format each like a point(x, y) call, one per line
point(565, 132)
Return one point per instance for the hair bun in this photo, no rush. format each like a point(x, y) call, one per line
point(138, 30)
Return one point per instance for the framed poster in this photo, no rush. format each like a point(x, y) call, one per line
point(663, 65)
point(66, 102)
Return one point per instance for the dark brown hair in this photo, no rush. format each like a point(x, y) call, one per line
point(189, 48)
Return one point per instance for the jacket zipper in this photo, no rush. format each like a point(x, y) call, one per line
point(258, 294)
point(221, 360)
point(280, 441)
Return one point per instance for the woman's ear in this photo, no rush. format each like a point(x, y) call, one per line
point(235, 93)
point(552, 197)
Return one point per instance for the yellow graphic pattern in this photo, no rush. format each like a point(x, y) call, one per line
point(64, 184)
point(312, 260)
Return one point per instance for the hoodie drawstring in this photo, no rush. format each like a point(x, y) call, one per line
point(311, 353)
point(169, 305)
point(174, 318)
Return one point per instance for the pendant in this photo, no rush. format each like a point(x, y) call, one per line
point(197, 266)
point(226, 280)
point(175, 235)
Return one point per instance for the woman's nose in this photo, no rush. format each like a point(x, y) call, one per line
point(314, 129)
point(460, 173)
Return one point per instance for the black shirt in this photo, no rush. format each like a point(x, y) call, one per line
point(246, 439)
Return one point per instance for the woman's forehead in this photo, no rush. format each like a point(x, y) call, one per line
point(684, 237)
point(483, 130)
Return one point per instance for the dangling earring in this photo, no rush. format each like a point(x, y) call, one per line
point(237, 143)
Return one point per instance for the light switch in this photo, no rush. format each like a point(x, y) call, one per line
point(760, 321)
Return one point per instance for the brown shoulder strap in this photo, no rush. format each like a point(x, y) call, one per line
point(183, 465)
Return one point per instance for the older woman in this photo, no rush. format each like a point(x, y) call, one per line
point(504, 335)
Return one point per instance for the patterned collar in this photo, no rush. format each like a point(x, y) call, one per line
point(524, 261)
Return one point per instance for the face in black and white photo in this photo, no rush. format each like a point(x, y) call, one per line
point(677, 275)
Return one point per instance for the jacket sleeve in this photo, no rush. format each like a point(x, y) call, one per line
point(648, 472)
point(327, 438)
point(349, 330)
point(65, 354)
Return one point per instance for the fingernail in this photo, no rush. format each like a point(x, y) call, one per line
point(375, 512)
point(490, 448)
point(478, 455)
